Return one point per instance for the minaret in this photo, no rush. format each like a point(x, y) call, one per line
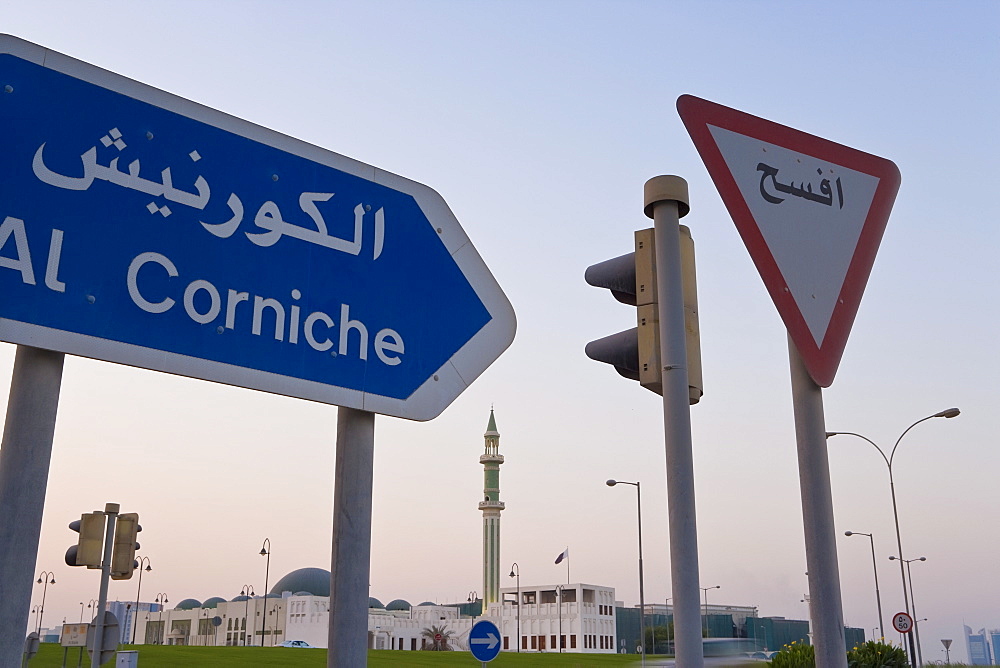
point(491, 505)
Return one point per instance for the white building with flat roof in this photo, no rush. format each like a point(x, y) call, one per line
point(579, 617)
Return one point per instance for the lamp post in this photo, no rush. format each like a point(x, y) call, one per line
point(515, 572)
point(913, 605)
point(35, 610)
point(81, 612)
point(161, 600)
point(92, 604)
point(48, 577)
point(878, 597)
point(137, 591)
point(705, 592)
point(642, 601)
point(666, 607)
point(473, 598)
point(247, 591)
point(265, 550)
point(947, 413)
point(559, 642)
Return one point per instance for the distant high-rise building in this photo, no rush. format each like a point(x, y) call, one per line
point(491, 505)
point(994, 635)
point(978, 646)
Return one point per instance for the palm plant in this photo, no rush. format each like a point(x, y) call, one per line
point(439, 637)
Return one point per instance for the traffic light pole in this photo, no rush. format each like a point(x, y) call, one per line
point(111, 515)
point(666, 199)
point(352, 539)
point(25, 455)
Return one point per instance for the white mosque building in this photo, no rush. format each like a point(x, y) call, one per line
point(573, 617)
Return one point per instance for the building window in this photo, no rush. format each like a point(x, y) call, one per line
point(569, 596)
point(524, 642)
point(572, 641)
point(529, 597)
point(548, 596)
point(553, 640)
point(562, 642)
point(534, 642)
point(506, 642)
point(588, 595)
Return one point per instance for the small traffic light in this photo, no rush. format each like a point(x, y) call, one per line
point(123, 555)
point(89, 549)
point(631, 278)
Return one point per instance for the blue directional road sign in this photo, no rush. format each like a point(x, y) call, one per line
point(141, 228)
point(484, 640)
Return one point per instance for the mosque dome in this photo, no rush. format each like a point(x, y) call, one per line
point(240, 598)
point(398, 604)
point(213, 602)
point(426, 603)
point(374, 603)
point(315, 581)
point(188, 604)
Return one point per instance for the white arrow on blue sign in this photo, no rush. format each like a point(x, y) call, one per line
point(484, 640)
point(145, 229)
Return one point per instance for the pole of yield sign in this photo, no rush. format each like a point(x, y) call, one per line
point(666, 200)
point(25, 455)
point(352, 539)
point(825, 605)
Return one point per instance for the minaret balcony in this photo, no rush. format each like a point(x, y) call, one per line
point(491, 505)
point(491, 459)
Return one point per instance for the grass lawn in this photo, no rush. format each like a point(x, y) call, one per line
point(155, 656)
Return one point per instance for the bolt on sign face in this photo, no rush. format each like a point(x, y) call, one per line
point(810, 211)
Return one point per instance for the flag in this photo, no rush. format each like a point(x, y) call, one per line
point(564, 555)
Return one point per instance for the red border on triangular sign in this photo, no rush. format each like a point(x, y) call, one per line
point(821, 361)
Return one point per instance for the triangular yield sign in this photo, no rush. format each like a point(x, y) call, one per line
point(810, 211)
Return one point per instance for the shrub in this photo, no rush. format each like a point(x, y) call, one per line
point(795, 656)
point(877, 655)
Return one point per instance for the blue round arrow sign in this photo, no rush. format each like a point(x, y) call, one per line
point(484, 640)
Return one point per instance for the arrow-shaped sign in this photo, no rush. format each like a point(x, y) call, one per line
point(142, 228)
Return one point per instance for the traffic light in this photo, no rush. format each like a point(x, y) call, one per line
point(631, 278)
point(123, 555)
point(89, 549)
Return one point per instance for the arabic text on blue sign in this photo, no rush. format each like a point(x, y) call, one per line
point(131, 223)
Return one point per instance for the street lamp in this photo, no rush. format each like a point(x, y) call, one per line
point(666, 607)
point(137, 590)
point(913, 605)
point(92, 604)
point(515, 572)
point(48, 577)
point(878, 598)
point(161, 600)
point(265, 550)
point(247, 591)
point(473, 598)
point(642, 601)
point(947, 413)
point(705, 592)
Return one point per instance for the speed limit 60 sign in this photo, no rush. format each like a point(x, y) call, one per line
point(902, 622)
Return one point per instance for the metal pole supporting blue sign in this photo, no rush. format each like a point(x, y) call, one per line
point(484, 640)
point(142, 228)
